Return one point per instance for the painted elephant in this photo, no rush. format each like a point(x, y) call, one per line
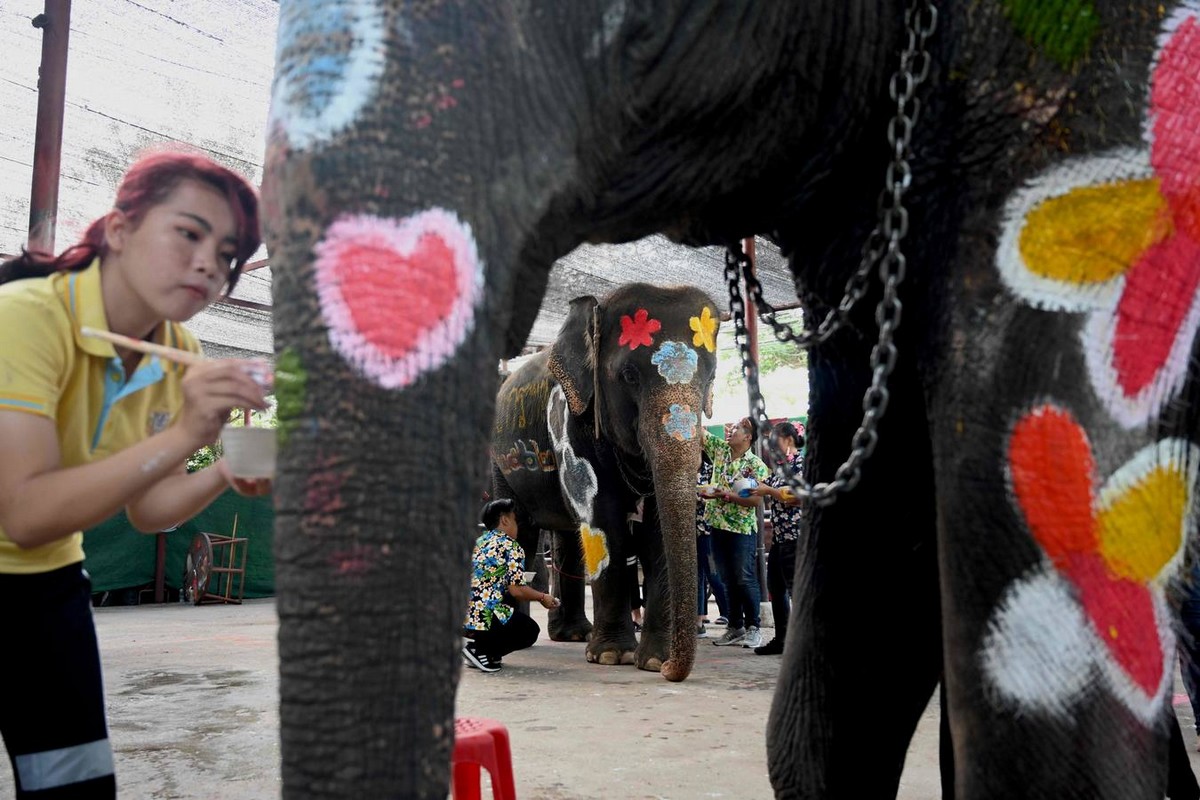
point(428, 162)
point(610, 414)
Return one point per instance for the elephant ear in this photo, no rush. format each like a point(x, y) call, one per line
point(573, 354)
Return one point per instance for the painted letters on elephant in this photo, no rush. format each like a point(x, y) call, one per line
point(525, 454)
point(528, 403)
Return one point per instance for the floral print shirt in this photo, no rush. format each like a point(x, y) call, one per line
point(497, 563)
point(703, 478)
point(726, 469)
point(785, 518)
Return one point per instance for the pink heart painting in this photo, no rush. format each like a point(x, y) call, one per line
point(398, 296)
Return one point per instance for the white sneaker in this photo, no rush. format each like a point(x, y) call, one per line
point(731, 636)
point(753, 637)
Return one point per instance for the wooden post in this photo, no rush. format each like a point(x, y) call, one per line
point(55, 23)
point(160, 567)
point(752, 335)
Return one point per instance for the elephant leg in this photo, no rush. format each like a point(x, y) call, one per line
point(568, 622)
point(613, 641)
point(655, 642)
point(372, 576)
point(391, 310)
point(864, 635)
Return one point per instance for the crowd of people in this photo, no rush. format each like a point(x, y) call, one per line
point(734, 483)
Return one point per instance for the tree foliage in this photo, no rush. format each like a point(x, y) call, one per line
point(772, 353)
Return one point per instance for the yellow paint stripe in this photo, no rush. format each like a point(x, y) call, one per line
point(1141, 529)
point(28, 398)
point(595, 551)
point(1093, 234)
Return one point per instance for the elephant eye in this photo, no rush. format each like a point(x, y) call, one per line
point(629, 374)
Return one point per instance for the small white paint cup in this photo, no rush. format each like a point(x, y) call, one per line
point(249, 452)
point(529, 576)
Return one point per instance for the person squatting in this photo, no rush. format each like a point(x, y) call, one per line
point(494, 627)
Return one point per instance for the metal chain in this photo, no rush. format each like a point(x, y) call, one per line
point(882, 247)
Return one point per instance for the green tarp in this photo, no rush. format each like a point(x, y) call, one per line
point(118, 557)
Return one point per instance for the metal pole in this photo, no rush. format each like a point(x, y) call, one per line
point(752, 335)
point(751, 311)
point(55, 23)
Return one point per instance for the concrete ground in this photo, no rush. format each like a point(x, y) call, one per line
point(192, 705)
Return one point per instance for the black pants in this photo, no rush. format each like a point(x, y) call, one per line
point(1181, 781)
point(52, 706)
point(781, 573)
point(499, 640)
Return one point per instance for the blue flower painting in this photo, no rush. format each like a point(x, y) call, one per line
point(676, 361)
point(328, 63)
point(680, 422)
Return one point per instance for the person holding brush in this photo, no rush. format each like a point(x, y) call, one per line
point(88, 428)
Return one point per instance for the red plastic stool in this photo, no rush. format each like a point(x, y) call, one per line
point(481, 742)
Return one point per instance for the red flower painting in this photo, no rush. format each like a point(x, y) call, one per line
point(1113, 545)
point(638, 330)
point(1117, 234)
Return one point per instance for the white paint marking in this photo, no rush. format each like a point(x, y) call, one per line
point(1038, 651)
point(1048, 293)
point(342, 83)
point(582, 496)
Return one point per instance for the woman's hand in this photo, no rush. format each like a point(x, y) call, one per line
point(211, 391)
point(550, 601)
point(250, 487)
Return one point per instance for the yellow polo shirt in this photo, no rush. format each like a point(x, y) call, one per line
point(49, 369)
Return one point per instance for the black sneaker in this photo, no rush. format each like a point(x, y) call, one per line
point(479, 661)
point(771, 648)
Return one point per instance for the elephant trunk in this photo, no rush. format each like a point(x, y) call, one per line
point(675, 461)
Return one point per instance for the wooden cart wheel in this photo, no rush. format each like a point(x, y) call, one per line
point(197, 568)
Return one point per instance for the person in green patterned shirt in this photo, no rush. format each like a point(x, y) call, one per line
point(734, 522)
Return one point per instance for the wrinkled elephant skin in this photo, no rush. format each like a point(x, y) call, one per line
point(1015, 531)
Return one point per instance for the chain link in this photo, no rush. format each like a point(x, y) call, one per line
point(881, 248)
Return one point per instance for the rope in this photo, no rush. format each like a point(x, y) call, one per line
point(595, 351)
point(550, 564)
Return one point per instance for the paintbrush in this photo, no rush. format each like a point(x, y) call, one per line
point(259, 372)
point(161, 350)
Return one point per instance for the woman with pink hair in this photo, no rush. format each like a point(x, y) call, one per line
point(88, 429)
